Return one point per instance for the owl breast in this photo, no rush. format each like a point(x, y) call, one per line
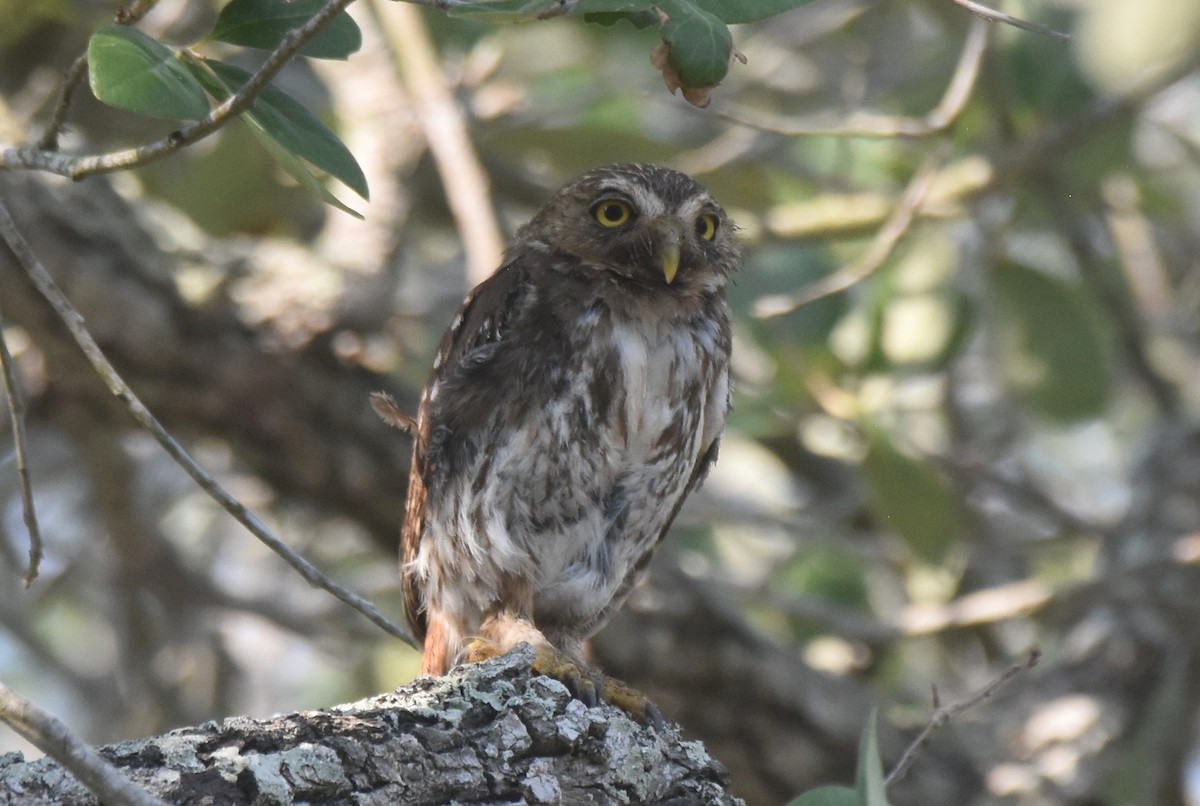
point(612, 427)
point(646, 446)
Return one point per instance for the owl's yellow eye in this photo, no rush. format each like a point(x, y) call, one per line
point(612, 212)
point(706, 226)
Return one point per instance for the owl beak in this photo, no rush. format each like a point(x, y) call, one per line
point(668, 252)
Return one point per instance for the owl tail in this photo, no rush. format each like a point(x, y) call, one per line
point(435, 659)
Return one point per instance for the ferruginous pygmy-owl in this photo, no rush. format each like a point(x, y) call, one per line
point(575, 401)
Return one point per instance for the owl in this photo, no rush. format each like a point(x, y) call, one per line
point(576, 400)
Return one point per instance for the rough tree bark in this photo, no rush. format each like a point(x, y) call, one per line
point(486, 733)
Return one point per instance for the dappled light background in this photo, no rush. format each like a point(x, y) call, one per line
point(990, 443)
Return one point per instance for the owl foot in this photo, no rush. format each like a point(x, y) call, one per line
point(633, 702)
point(546, 661)
point(590, 688)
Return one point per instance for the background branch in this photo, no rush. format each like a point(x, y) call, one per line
point(445, 127)
point(877, 253)
point(867, 124)
point(16, 411)
point(58, 742)
point(117, 386)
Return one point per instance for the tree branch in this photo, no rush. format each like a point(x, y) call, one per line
point(991, 14)
point(16, 411)
point(486, 732)
point(75, 325)
point(463, 178)
point(56, 740)
point(942, 715)
point(880, 249)
point(44, 159)
point(869, 124)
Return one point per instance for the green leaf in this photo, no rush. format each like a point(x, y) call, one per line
point(289, 124)
point(869, 782)
point(700, 44)
point(131, 71)
point(827, 796)
point(300, 172)
point(1055, 349)
point(869, 787)
point(264, 23)
point(912, 500)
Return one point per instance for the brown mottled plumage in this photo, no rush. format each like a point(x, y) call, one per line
point(575, 401)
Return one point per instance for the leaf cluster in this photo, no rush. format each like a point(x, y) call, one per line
point(130, 70)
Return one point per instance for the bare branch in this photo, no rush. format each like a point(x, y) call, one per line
point(74, 323)
point(75, 73)
point(56, 740)
point(943, 714)
point(39, 158)
point(881, 248)
point(16, 411)
point(999, 16)
point(465, 181)
point(71, 80)
point(869, 124)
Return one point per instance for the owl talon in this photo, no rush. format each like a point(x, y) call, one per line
point(589, 687)
point(547, 661)
point(633, 702)
point(480, 650)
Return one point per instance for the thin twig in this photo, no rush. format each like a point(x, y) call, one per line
point(38, 158)
point(56, 740)
point(869, 124)
point(943, 714)
point(408, 43)
point(112, 379)
point(71, 80)
point(16, 411)
point(999, 16)
point(881, 248)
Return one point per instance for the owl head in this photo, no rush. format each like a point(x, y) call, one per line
point(641, 225)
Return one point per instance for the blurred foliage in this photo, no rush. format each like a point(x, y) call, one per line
point(987, 444)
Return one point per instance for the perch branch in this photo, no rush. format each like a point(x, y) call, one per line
point(112, 379)
point(56, 740)
point(489, 732)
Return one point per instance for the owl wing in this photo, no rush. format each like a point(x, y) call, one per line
point(481, 324)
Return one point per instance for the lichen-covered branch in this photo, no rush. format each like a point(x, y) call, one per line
point(489, 732)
